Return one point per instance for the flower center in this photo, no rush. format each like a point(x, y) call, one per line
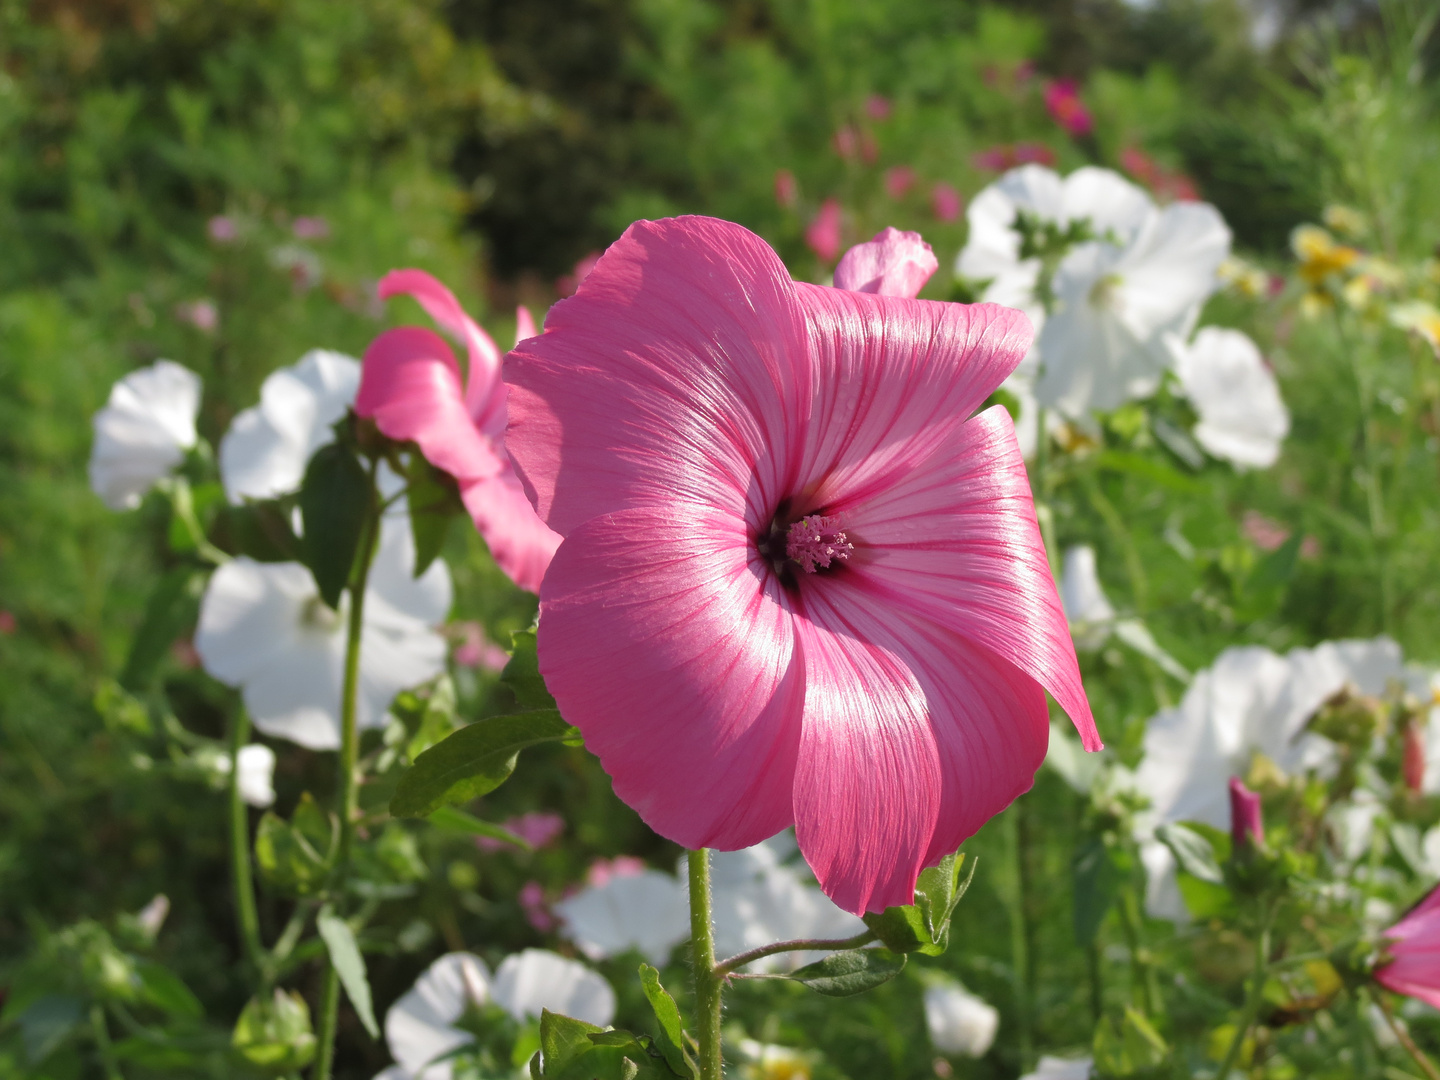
point(318, 615)
point(815, 541)
point(1105, 292)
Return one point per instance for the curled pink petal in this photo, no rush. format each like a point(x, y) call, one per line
point(800, 582)
point(895, 263)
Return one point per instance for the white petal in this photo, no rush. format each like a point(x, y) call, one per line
point(1112, 204)
point(647, 912)
point(1054, 1068)
point(1171, 267)
point(257, 773)
point(265, 452)
point(392, 575)
point(1162, 890)
point(959, 1022)
point(1242, 418)
point(420, 1026)
point(1081, 594)
point(143, 431)
point(537, 979)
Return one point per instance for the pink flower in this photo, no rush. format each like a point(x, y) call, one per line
point(1412, 762)
point(221, 229)
point(895, 263)
point(1062, 99)
point(602, 871)
point(846, 142)
point(7, 622)
point(823, 234)
point(786, 189)
point(1414, 967)
point(566, 284)
point(1245, 824)
point(800, 583)
point(1171, 186)
point(1265, 533)
point(536, 908)
point(410, 386)
point(310, 228)
point(538, 829)
point(899, 180)
point(1006, 156)
point(1029, 153)
point(201, 314)
point(877, 107)
point(946, 202)
point(475, 650)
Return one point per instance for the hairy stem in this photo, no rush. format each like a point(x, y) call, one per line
point(709, 982)
point(725, 967)
point(347, 795)
point(240, 872)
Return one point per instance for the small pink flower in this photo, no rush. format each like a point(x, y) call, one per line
point(410, 386)
point(869, 150)
point(787, 191)
point(877, 107)
point(536, 907)
point(566, 284)
point(602, 871)
point(221, 229)
point(699, 428)
point(310, 228)
point(895, 263)
point(475, 650)
point(1265, 533)
point(1414, 948)
point(201, 314)
point(1062, 99)
point(1007, 156)
point(823, 234)
point(899, 180)
point(846, 143)
point(538, 829)
point(1245, 824)
point(7, 622)
point(1031, 153)
point(945, 202)
point(1412, 763)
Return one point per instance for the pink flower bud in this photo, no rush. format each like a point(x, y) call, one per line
point(895, 263)
point(1062, 100)
point(1245, 825)
point(786, 189)
point(899, 180)
point(823, 234)
point(946, 202)
point(1412, 765)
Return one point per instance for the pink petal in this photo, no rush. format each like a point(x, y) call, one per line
point(673, 653)
point(483, 377)
point(895, 263)
point(410, 386)
point(674, 374)
point(524, 324)
point(519, 542)
point(913, 739)
point(956, 541)
point(895, 379)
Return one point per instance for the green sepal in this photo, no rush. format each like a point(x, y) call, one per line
point(275, 1034)
point(522, 673)
point(293, 856)
point(924, 926)
point(473, 761)
point(851, 972)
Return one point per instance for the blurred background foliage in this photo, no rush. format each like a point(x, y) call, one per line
point(496, 144)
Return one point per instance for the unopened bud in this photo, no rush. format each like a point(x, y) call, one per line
point(1246, 827)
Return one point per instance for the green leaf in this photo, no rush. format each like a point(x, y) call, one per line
point(522, 673)
point(667, 1013)
point(1097, 883)
point(1192, 851)
point(349, 965)
point(46, 1022)
point(452, 820)
point(120, 710)
point(293, 856)
point(562, 1040)
point(475, 760)
point(165, 990)
point(434, 500)
point(334, 503)
point(437, 718)
point(1136, 465)
point(171, 609)
point(260, 530)
point(1130, 1047)
point(1275, 570)
point(851, 972)
point(275, 1033)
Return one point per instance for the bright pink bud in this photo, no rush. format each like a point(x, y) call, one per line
point(895, 263)
point(1245, 824)
point(1412, 766)
point(946, 202)
point(786, 189)
point(899, 180)
point(823, 234)
point(1062, 99)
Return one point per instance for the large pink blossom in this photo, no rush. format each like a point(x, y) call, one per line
point(800, 582)
point(410, 386)
point(1414, 969)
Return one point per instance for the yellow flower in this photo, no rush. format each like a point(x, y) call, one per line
point(765, 1061)
point(1345, 219)
point(1419, 318)
point(1247, 280)
point(1319, 255)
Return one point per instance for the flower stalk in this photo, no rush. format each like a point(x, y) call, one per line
point(709, 980)
point(1252, 1003)
point(242, 878)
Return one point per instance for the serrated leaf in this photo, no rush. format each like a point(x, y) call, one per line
point(434, 500)
point(522, 673)
point(1192, 851)
point(334, 504)
point(170, 610)
point(452, 820)
point(939, 892)
point(1097, 883)
point(672, 1035)
point(473, 761)
point(851, 972)
point(349, 965)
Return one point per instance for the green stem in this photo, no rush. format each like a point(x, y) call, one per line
point(1020, 938)
point(1253, 1003)
point(1374, 494)
point(347, 796)
point(725, 967)
point(101, 1032)
point(1402, 1033)
point(709, 981)
point(1144, 991)
point(240, 872)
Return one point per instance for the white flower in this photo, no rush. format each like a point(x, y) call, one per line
point(265, 452)
point(143, 431)
point(1242, 418)
point(420, 1026)
point(1092, 618)
point(647, 912)
point(1054, 1068)
point(766, 1061)
point(263, 628)
point(537, 979)
point(257, 772)
point(1249, 701)
point(959, 1022)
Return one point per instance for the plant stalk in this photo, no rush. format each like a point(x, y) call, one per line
point(1252, 1004)
point(101, 1031)
point(240, 871)
point(725, 967)
point(1420, 1057)
point(709, 980)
